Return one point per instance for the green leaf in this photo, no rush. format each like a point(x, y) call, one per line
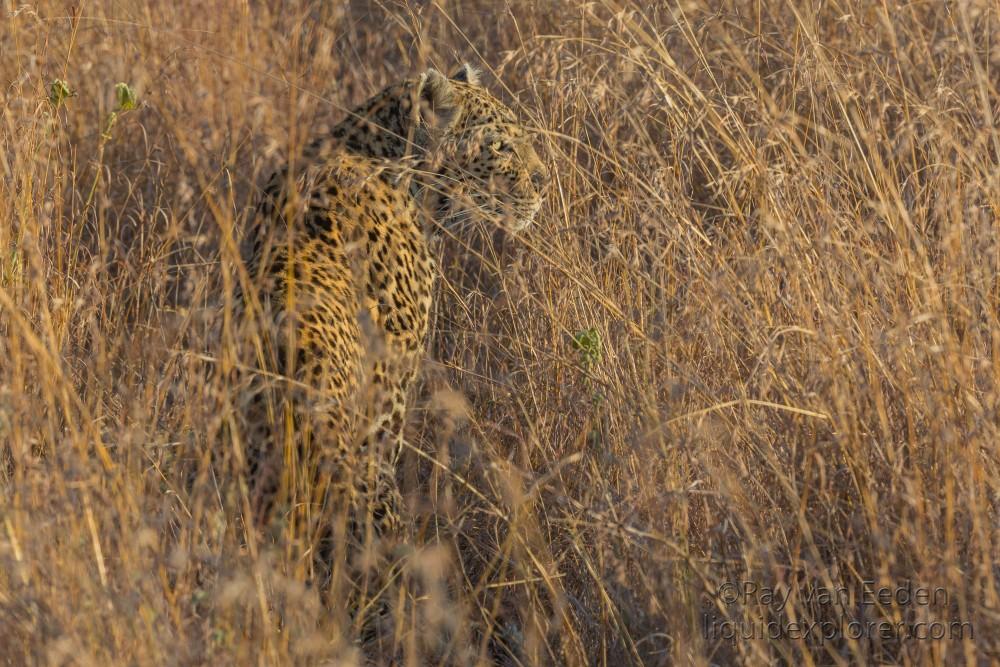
point(125, 96)
point(59, 92)
point(588, 343)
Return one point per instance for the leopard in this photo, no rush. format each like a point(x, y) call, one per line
point(339, 280)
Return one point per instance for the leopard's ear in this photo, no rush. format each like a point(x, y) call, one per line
point(466, 74)
point(439, 103)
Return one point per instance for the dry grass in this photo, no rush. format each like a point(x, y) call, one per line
point(779, 217)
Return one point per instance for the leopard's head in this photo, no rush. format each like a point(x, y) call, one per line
point(481, 161)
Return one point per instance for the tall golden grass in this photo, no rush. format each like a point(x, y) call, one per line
point(751, 343)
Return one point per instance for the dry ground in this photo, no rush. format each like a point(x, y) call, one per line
point(753, 336)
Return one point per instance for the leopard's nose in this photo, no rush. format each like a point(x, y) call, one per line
point(539, 176)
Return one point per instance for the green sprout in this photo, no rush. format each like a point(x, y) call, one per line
point(126, 101)
point(588, 343)
point(10, 272)
point(125, 96)
point(59, 92)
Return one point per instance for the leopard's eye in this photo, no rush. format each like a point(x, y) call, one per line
point(499, 146)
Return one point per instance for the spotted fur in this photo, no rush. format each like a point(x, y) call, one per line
point(342, 278)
